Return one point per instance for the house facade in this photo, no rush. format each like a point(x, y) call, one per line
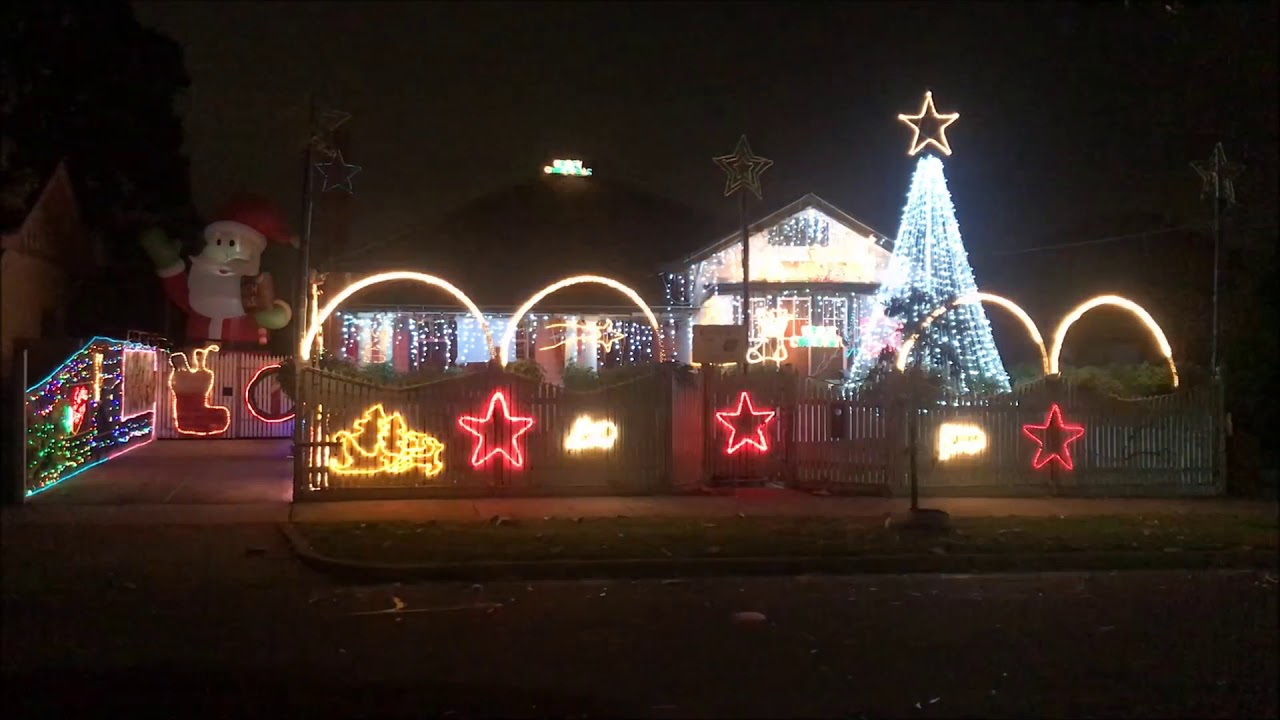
point(39, 259)
point(814, 272)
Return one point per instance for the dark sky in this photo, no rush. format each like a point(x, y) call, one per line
point(1071, 115)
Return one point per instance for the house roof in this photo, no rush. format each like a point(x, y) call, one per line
point(809, 200)
point(506, 245)
point(23, 190)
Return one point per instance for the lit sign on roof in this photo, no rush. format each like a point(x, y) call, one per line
point(567, 167)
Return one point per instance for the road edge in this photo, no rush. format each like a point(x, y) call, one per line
point(642, 568)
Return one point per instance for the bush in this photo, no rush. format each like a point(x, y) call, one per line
point(576, 377)
point(1123, 381)
point(378, 374)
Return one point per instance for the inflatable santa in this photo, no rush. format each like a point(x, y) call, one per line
point(224, 294)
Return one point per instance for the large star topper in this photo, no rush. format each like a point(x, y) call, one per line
point(337, 174)
point(746, 425)
point(743, 169)
point(914, 122)
point(1054, 438)
point(1221, 170)
point(497, 433)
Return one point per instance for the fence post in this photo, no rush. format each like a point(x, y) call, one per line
point(15, 431)
point(301, 436)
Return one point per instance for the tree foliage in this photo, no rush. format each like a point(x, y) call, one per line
point(88, 83)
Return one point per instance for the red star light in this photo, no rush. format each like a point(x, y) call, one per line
point(746, 426)
point(491, 430)
point(1054, 438)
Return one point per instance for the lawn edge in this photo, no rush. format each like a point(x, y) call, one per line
point(640, 568)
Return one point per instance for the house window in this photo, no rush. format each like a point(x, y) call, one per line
point(799, 308)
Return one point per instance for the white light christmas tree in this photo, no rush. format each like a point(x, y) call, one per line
point(930, 267)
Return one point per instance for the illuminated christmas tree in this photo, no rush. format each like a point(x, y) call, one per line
point(929, 268)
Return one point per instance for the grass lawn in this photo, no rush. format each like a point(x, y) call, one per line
point(656, 538)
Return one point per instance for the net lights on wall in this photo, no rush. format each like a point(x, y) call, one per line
point(76, 415)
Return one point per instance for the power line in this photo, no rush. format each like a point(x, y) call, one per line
point(1099, 241)
point(1117, 238)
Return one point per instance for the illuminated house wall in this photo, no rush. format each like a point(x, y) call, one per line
point(810, 263)
point(809, 260)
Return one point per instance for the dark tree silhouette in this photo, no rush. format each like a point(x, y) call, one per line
point(86, 82)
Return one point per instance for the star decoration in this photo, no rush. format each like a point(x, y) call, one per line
point(497, 433)
point(1220, 169)
point(914, 122)
point(1054, 438)
point(746, 425)
point(322, 127)
point(743, 169)
point(337, 174)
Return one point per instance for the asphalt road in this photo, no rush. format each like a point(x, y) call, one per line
point(221, 622)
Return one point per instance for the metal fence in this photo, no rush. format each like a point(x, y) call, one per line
point(669, 431)
point(233, 371)
point(1168, 445)
point(365, 440)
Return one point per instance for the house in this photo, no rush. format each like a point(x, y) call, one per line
point(814, 272)
point(41, 256)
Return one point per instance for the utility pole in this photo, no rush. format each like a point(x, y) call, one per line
point(1217, 177)
point(742, 170)
point(302, 452)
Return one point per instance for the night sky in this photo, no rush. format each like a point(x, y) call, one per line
point(1074, 118)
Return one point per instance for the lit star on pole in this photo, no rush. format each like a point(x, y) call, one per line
point(1223, 171)
point(743, 169)
point(337, 174)
point(943, 120)
point(1054, 438)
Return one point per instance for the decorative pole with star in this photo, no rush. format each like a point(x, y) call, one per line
point(1217, 177)
point(742, 170)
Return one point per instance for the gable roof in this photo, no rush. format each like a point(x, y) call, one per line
point(503, 246)
point(809, 200)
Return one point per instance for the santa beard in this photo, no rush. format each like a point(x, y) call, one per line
point(213, 295)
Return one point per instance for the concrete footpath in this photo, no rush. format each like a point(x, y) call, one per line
point(746, 502)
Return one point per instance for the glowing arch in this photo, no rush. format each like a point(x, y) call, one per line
point(304, 350)
point(1115, 301)
point(509, 335)
point(904, 351)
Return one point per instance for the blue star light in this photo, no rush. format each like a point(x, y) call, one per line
point(337, 174)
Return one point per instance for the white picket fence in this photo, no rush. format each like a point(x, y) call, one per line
point(233, 370)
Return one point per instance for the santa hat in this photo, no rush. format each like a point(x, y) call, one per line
point(251, 216)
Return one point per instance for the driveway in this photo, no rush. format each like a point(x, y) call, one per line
point(184, 472)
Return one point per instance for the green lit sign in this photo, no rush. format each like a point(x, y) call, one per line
point(818, 336)
point(567, 167)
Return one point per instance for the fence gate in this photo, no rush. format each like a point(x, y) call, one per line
point(230, 379)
